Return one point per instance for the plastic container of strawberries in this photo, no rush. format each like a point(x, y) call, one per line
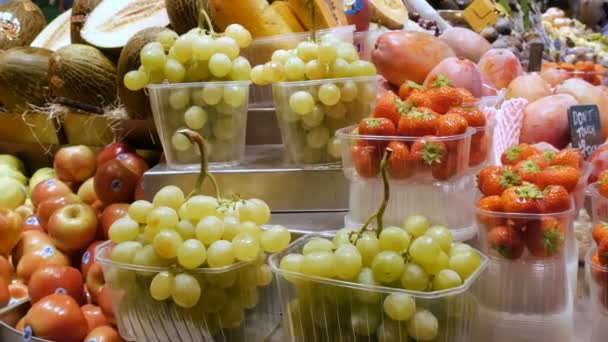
point(597, 276)
point(599, 204)
point(482, 144)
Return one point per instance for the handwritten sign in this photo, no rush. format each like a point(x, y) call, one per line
point(585, 128)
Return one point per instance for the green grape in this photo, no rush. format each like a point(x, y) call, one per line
point(459, 248)
point(180, 142)
point(424, 250)
point(329, 94)
point(212, 94)
point(348, 52)
point(442, 236)
point(348, 261)
point(342, 237)
point(280, 56)
point(318, 137)
point(186, 229)
point(291, 263)
point(317, 245)
point(274, 72)
point(220, 254)
point(241, 69)
point(231, 315)
point(366, 277)
point(339, 69)
point(327, 52)
point(255, 210)
point(167, 38)
point(314, 119)
point(153, 59)
point(195, 117)
point(416, 225)
point(301, 102)
point(203, 47)
point(162, 286)
point(231, 227)
point(169, 196)
point(227, 46)
point(214, 299)
point(307, 51)
point(182, 48)
point(446, 279)
point(320, 264)
point(246, 247)
point(174, 71)
point(442, 263)
point(239, 34)
point(257, 75)
point(166, 243)
point(225, 128)
point(337, 111)
point(198, 71)
point(334, 148)
point(362, 68)
point(197, 207)
point(146, 256)
point(295, 69)
point(414, 277)
point(149, 233)
point(423, 326)
point(191, 254)
point(123, 229)
point(139, 210)
point(394, 239)
point(162, 217)
point(186, 290)
point(392, 331)
point(249, 227)
point(135, 80)
point(349, 91)
point(465, 263)
point(124, 252)
point(388, 266)
point(179, 99)
point(250, 297)
point(369, 246)
point(399, 306)
point(263, 275)
point(275, 239)
point(153, 46)
point(367, 93)
point(315, 70)
point(209, 229)
point(156, 77)
point(220, 65)
point(222, 280)
point(235, 95)
point(365, 319)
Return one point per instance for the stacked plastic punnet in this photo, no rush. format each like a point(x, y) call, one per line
point(596, 260)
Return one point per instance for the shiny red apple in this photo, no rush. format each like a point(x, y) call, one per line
point(18, 291)
point(6, 269)
point(5, 294)
point(94, 316)
point(42, 256)
point(48, 189)
point(25, 210)
point(88, 258)
point(32, 223)
point(56, 279)
point(86, 191)
point(139, 193)
point(104, 300)
point(74, 163)
point(112, 151)
point(11, 227)
point(104, 334)
point(30, 241)
point(57, 318)
point(73, 227)
point(47, 207)
point(94, 282)
point(112, 213)
point(116, 179)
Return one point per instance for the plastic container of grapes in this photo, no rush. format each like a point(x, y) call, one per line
point(454, 150)
point(321, 309)
point(216, 110)
point(448, 204)
point(597, 277)
point(309, 139)
point(261, 49)
point(231, 308)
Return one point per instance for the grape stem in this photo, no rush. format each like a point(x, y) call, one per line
point(313, 17)
point(203, 18)
point(197, 139)
point(378, 215)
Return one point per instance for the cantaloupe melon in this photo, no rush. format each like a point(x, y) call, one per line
point(23, 77)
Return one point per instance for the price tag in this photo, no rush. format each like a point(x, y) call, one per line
point(480, 14)
point(585, 128)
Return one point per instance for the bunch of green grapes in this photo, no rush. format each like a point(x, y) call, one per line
point(192, 57)
point(189, 234)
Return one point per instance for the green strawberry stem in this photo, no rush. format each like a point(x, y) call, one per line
point(378, 215)
point(197, 139)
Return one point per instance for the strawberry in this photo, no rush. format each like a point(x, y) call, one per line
point(474, 117)
point(418, 122)
point(466, 96)
point(377, 126)
point(517, 153)
point(545, 238)
point(524, 199)
point(366, 160)
point(451, 124)
point(507, 241)
point(491, 204)
point(391, 107)
point(493, 180)
point(569, 157)
point(442, 98)
point(602, 251)
point(479, 150)
point(599, 271)
point(548, 155)
point(428, 152)
point(408, 88)
point(566, 176)
point(557, 199)
point(400, 163)
point(602, 183)
point(600, 231)
point(528, 170)
point(446, 169)
point(540, 160)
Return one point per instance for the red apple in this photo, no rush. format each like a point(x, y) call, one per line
point(18, 291)
point(104, 334)
point(139, 190)
point(44, 256)
point(94, 316)
point(56, 279)
point(11, 226)
point(25, 210)
point(112, 213)
point(6, 269)
point(57, 318)
point(88, 258)
point(47, 207)
point(73, 227)
point(112, 151)
point(500, 66)
point(86, 192)
point(116, 179)
point(95, 282)
point(32, 223)
point(74, 163)
point(48, 189)
point(5, 294)
point(30, 241)
point(104, 300)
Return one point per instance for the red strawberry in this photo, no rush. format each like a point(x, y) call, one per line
point(600, 232)
point(507, 241)
point(479, 149)
point(569, 157)
point(602, 183)
point(366, 160)
point(377, 126)
point(528, 170)
point(389, 106)
point(451, 124)
point(442, 98)
point(545, 238)
point(446, 169)
point(493, 180)
point(525, 199)
point(408, 88)
point(557, 199)
point(429, 152)
point(541, 159)
point(515, 154)
point(418, 122)
point(602, 251)
point(400, 163)
point(566, 176)
point(474, 116)
point(491, 204)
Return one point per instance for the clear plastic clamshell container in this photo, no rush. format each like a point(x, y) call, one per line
point(597, 276)
point(231, 307)
point(482, 144)
point(419, 159)
point(216, 110)
point(261, 49)
point(321, 309)
point(599, 204)
point(309, 137)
